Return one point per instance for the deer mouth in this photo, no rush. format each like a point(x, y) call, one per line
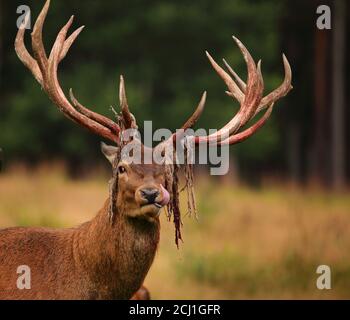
point(151, 211)
point(154, 205)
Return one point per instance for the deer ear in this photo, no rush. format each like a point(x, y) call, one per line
point(110, 152)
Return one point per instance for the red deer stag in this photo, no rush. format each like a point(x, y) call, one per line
point(109, 256)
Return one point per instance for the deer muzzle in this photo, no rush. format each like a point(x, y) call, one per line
point(151, 199)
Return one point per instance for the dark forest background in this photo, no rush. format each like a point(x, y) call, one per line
point(159, 47)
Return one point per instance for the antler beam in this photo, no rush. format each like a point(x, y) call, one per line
point(45, 72)
point(250, 97)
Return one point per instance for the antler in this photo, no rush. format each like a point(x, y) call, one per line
point(45, 72)
point(249, 95)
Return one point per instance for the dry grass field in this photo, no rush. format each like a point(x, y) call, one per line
point(254, 244)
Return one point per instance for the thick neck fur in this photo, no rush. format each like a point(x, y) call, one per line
point(115, 258)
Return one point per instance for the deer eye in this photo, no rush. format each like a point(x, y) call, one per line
point(121, 169)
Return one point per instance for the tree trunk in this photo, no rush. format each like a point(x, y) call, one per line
point(1, 44)
point(338, 103)
point(293, 153)
point(319, 165)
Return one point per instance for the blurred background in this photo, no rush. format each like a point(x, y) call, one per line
point(284, 207)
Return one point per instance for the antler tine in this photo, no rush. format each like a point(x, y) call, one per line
point(45, 71)
point(37, 41)
point(253, 95)
point(252, 103)
point(60, 40)
point(250, 100)
point(38, 47)
point(68, 43)
point(196, 114)
point(24, 55)
point(278, 93)
point(128, 117)
point(56, 93)
point(232, 86)
point(250, 96)
point(191, 120)
point(282, 90)
point(93, 115)
point(240, 82)
point(254, 86)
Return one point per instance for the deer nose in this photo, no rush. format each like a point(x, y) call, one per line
point(149, 194)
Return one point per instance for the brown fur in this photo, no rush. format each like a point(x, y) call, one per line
point(97, 260)
point(93, 261)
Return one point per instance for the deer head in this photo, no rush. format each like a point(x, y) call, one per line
point(141, 190)
point(140, 187)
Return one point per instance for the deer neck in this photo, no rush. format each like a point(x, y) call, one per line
point(116, 257)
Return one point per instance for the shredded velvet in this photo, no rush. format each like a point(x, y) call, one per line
point(172, 173)
point(173, 207)
point(172, 185)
